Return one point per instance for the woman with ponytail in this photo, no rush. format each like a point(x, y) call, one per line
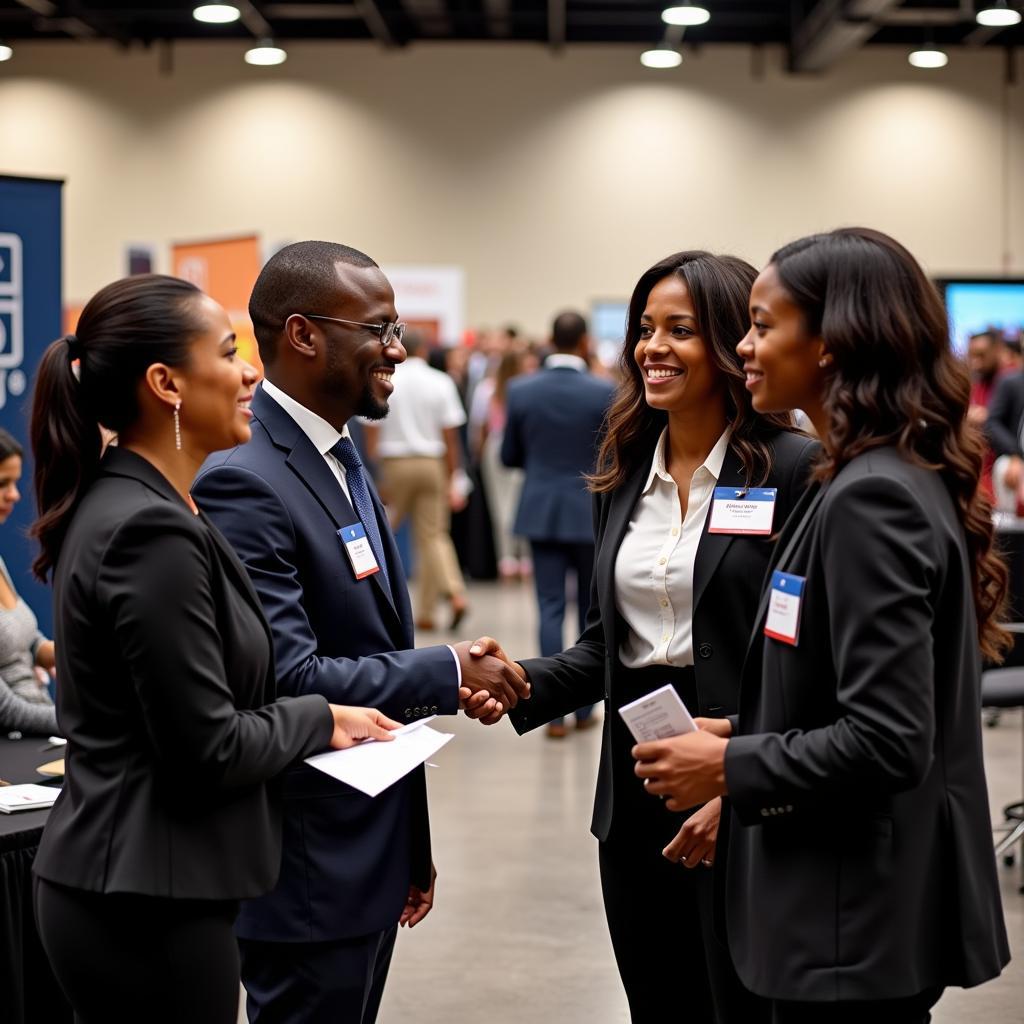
point(167, 817)
point(861, 878)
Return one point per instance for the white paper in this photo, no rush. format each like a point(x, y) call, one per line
point(27, 797)
point(372, 766)
point(657, 716)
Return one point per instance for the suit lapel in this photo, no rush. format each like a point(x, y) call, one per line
point(713, 546)
point(311, 468)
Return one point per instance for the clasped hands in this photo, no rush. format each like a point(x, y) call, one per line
point(492, 683)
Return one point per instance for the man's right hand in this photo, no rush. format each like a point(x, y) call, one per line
point(486, 678)
point(716, 726)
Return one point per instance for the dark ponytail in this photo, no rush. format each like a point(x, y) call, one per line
point(91, 378)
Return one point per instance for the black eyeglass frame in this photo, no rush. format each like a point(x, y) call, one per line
point(388, 332)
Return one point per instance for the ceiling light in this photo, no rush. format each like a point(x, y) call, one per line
point(6, 53)
point(661, 58)
point(928, 57)
point(686, 14)
point(217, 14)
point(998, 15)
point(265, 54)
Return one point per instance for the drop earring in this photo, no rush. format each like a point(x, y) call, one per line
point(177, 425)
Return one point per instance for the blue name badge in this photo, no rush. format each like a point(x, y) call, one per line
point(743, 510)
point(784, 604)
point(357, 547)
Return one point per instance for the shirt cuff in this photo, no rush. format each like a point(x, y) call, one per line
point(458, 664)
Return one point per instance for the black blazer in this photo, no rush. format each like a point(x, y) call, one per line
point(166, 684)
point(865, 868)
point(727, 587)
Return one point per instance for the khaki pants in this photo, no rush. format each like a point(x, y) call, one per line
point(418, 487)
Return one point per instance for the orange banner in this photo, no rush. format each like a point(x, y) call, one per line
point(226, 270)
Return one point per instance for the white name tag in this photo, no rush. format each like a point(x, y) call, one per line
point(657, 716)
point(784, 604)
point(357, 547)
point(741, 510)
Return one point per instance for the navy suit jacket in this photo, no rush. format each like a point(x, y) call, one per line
point(348, 859)
point(552, 432)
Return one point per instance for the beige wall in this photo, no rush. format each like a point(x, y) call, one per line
point(552, 180)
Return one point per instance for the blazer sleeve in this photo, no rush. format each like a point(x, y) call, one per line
point(235, 498)
point(881, 566)
point(1002, 426)
point(573, 679)
point(23, 715)
point(513, 452)
point(155, 583)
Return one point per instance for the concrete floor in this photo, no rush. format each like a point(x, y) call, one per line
point(518, 931)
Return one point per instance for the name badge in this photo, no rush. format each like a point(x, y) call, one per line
point(784, 606)
point(357, 547)
point(741, 510)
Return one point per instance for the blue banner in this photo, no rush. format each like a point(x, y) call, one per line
point(31, 311)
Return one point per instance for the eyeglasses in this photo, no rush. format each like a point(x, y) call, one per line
point(388, 333)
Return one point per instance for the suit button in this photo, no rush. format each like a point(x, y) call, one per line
point(433, 710)
point(764, 812)
point(408, 712)
point(705, 650)
point(789, 808)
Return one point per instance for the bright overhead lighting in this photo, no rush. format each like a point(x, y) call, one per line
point(928, 58)
point(265, 55)
point(661, 58)
point(998, 15)
point(686, 14)
point(217, 14)
point(6, 53)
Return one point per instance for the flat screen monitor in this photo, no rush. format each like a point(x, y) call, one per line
point(608, 328)
point(976, 305)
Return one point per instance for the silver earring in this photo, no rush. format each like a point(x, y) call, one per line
point(177, 425)
point(823, 362)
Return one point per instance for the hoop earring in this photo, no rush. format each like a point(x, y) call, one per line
point(177, 425)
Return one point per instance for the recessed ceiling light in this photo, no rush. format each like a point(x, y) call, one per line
point(928, 57)
point(661, 58)
point(998, 15)
point(6, 53)
point(266, 54)
point(685, 14)
point(217, 14)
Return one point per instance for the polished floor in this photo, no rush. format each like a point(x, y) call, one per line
point(518, 931)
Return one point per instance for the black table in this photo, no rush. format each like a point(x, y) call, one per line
point(29, 993)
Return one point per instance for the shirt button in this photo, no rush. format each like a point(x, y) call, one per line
point(664, 603)
point(662, 561)
point(665, 639)
point(675, 531)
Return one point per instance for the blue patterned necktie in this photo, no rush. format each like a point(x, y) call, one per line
point(345, 452)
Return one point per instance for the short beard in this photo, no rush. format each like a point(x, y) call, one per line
point(368, 407)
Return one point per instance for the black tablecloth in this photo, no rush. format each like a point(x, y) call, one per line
point(29, 994)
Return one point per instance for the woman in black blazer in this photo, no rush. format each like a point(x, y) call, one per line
point(673, 603)
point(862, 880)
point(168, 816)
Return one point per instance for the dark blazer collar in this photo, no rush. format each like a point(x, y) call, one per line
point(713, 546)
point(310, 467)
point(122, 462)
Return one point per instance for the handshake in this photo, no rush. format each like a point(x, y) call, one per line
point(492, 683)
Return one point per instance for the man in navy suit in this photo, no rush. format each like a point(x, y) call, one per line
point(303, 515)
point(552, 432)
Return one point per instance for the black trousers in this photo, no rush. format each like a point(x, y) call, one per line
point(666, 921)
point(338, 982)
point(122, 958)
point(913, 1010)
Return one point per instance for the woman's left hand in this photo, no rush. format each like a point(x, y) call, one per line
point(686, 770)
point(695, 842)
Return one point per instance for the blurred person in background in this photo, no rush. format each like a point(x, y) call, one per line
point(552, 431)
point(419, 456)
point(1002, 427)
point(26, 656)
point(985, 352)
point(167, 696)
point(504, 485)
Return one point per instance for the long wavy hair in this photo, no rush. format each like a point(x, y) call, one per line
point(91, 378)
point(895, 381)
point(719, 288)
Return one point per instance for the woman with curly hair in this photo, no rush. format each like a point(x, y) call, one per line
point(861, 875)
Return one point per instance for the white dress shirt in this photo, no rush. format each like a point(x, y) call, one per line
point(324, 437)
point(654, 567)
point(425, 403)
point(566, 360)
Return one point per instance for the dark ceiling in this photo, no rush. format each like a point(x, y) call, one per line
point(817, 32)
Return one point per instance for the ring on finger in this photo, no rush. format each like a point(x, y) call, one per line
point(707, 863)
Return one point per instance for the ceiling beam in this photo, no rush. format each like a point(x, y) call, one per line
point(311, 12)
point(253, 20)
point(370, 12)
point(834, 28)
point(498, 14)
point(43, 7)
